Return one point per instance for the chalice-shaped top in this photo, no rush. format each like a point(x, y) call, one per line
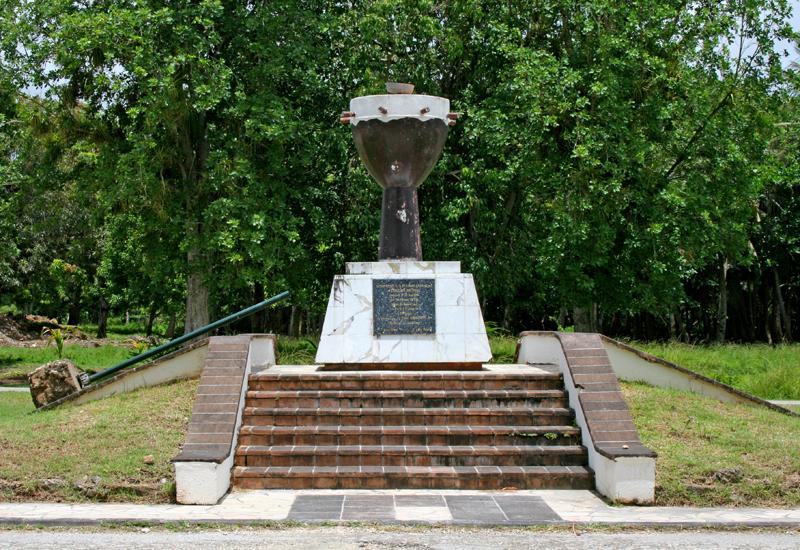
point(399, 137)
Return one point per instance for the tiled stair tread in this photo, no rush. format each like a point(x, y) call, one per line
point(497, 429)
point(462, 430)
point(430, 471)
point(425, 394)
point(410, 375)
point(407, 411)
point(448, 450)
point(416, 477)
point(403, 381)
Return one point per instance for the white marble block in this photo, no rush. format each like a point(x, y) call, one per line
point(348, 333)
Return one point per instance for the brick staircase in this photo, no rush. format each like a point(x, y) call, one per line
point(400, 429)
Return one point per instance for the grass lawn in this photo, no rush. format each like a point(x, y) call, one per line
point(17, 362)
point(770, 372)
point(94, 451)
point(713, 453)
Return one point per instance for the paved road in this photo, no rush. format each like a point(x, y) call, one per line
point(367, 538)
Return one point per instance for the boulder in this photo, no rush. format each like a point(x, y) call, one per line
point(53, 381)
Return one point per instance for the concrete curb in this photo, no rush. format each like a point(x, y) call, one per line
point(483, 509)
point(286, 523)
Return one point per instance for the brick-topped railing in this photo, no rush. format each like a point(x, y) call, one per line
point(213, 423)
point(203, 466)
point(608, 418)
point(624, 468)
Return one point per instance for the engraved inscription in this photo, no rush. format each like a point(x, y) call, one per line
point(404, 306)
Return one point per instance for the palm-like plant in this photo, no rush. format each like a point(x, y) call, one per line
point(56, 336)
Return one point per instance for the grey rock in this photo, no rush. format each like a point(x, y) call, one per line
point(728, 475)
point(53, 381)
point(53, 483)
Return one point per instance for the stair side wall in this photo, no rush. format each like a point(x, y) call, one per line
point(624, 468)
point(203, 467)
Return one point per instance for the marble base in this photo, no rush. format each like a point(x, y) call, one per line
point(348, 332)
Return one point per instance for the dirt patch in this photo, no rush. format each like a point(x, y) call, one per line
point(93, 490)
point(26, 332)
point(23, 329)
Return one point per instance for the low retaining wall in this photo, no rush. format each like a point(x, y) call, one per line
point(186, 362)
point(635, 365)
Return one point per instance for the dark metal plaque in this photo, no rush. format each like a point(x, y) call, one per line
point(404, 306)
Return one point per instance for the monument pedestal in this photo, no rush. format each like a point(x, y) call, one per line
point(403, 314)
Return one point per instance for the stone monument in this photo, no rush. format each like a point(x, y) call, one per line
point(402, 312)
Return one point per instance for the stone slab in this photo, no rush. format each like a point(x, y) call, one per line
point(348, 333)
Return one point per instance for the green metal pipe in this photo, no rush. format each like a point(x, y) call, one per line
point(86, 379)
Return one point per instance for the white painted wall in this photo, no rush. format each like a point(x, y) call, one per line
point(631, 367)
point(183, 366)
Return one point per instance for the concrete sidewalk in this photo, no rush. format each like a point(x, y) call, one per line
point(480, 508)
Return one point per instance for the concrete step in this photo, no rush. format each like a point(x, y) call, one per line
point(407, 398)
point(405, 381)
point(410, 435)
point(410, 455)
point(413, 477)
point(406, 416)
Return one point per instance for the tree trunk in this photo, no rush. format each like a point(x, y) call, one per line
point(585, 318)
point(292, 318)
point(192, 141)
point(151, 318)
point(508, 310)
point(751, 319)
point(777, 329)
point(562, 318)
point(75, 310)
point(196, 303)
point(173, 319)
point(681, 326)
point(197, 314)
point(766, 291)
point(102, 317)
point(785, 320)
point(722, 302)
point(258, 321)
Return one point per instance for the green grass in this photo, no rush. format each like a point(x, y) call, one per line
point(697, 436)
point(296, 351)
point(504, 349)
point(17, 362)
point(44, 455)
point(117, 329)
point(770, 372)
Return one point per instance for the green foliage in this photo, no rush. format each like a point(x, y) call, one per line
point(56, 336)
point(611, 155)
point(504, 349)
point(296, 351)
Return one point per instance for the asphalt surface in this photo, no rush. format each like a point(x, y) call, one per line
point(367, 538)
